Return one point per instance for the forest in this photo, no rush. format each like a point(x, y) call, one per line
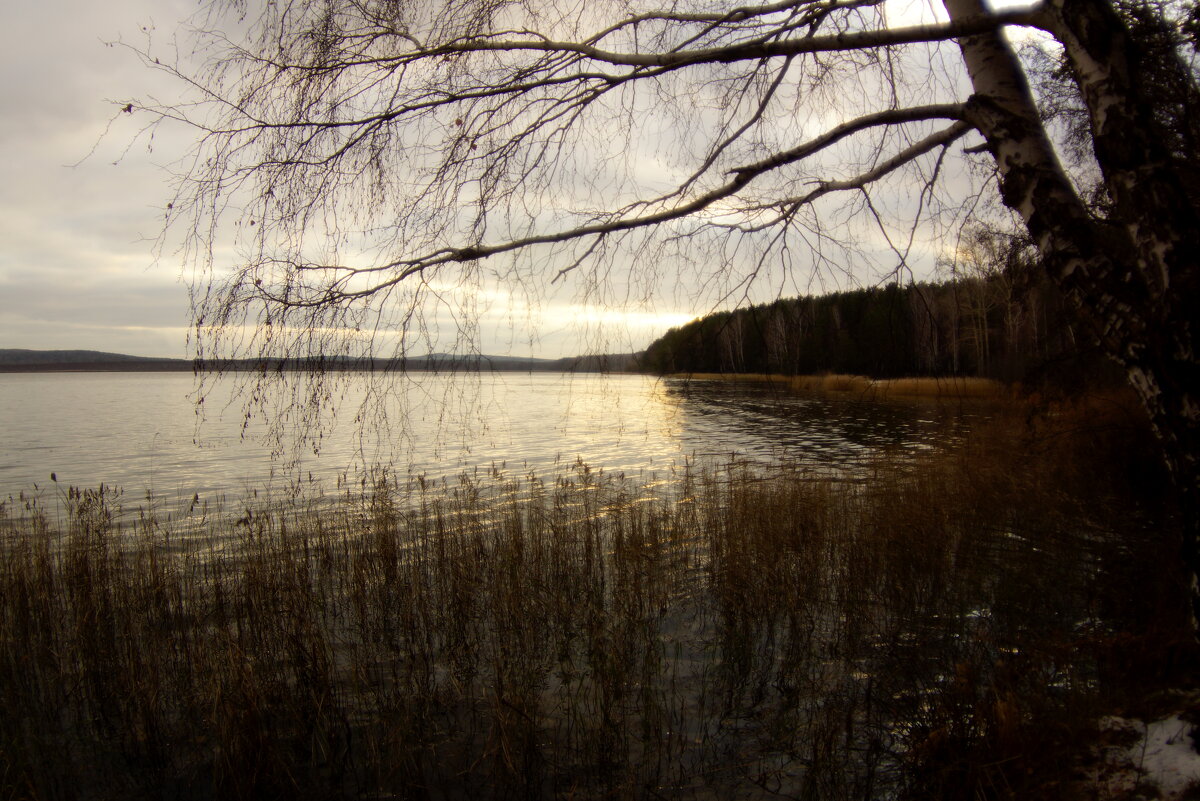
point(998, 318)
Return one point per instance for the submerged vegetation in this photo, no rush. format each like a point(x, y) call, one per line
point(950, 626)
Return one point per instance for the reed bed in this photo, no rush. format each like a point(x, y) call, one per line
point(930, 387)
point(926, 387)
point(754, 378)
point(945, 387)
point(938, 628)
point(831, 382)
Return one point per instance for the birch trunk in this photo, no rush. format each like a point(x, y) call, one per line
point(1132, 275)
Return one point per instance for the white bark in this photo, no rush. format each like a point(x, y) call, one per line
point(1117, 271)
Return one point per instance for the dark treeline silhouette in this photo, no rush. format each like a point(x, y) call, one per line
point(990, 326)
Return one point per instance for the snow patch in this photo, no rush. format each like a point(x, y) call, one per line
point(1162, 754)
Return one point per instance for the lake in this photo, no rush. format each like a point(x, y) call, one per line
point(146, 433)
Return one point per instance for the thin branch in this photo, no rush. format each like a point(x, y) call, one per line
point(741, 178)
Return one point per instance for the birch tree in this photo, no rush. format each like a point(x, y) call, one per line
point(364, 161)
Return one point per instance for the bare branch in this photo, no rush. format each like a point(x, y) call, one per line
point(741, 177)
point(753, 51)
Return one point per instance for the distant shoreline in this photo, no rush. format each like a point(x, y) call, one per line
point(166, 366)
point(143, 367)
point(84, 362)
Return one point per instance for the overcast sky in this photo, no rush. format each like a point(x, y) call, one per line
point(81, 207)
point(75, 256)
point(83, 197)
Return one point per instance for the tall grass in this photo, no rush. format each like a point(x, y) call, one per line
point(754, 378)
point(831, 382)
point(935, 387)
point(945, 387)
point(944, 627)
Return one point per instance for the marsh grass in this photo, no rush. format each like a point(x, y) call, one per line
point(876, 389)
point(869, 388)
point(756, 378)
point(945, 387)
point(944, 627)
point(831, 382)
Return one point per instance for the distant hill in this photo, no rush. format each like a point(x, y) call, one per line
point(23, 360)
point(22, 356)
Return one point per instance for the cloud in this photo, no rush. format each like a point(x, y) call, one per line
point(65, 308)
point(76, 261)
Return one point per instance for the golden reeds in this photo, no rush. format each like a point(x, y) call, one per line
point(932, 387)
point(831, 382)
point(756, 378)
point(946, 387)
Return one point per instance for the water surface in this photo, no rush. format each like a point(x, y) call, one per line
point(146, 433)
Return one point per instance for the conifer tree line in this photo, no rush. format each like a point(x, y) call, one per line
point(995, 316)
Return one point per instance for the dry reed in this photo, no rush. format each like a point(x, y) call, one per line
point(831, 382)
point(754, 378)
point(935, 387)
point(947, 387)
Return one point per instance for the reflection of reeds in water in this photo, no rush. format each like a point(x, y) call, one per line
point(740, 636)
